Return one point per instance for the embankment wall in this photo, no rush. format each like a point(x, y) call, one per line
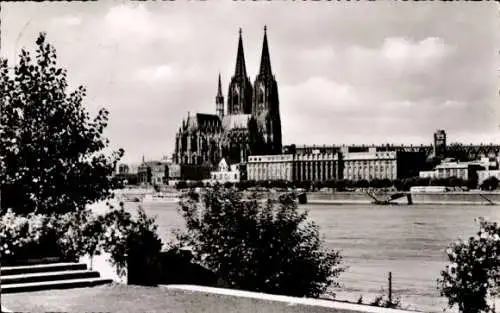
point(465, 198)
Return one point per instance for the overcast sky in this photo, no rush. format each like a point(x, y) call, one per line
point(347, 72)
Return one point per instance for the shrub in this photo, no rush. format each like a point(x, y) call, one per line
point(474, 273)
point(259, 246)
point(82, 232)
point(490, 183)
point(124, 235)
point(33, 236)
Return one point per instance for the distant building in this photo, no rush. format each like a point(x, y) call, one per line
point(452, 169)
point(427, 174)
point(123, 169)
point(270, 167)
point(464, 170)
point(316, 166)
point(153, 172)
point(320, 166)
point(482, 175)
point(226, 173)
point(381, 164)
point(439, 144)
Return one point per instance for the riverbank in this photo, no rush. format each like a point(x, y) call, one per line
point(341, 198)
point(428, 198)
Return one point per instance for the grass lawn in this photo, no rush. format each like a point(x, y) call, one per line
point(123, 298)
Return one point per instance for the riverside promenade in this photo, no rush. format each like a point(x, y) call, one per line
point(174, 299)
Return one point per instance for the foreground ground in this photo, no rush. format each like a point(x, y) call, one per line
point(133, 299)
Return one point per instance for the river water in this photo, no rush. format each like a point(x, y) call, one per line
point(408, 241)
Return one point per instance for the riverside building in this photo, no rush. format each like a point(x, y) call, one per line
point(225, 173)
point(270, 167)
point(317, 166)
point(375, 164)
point(320, 166)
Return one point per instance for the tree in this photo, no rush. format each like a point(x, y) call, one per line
point(490, 183)
point(258, 246)
point(51, 151)
point(458, 152)
point(474, 272)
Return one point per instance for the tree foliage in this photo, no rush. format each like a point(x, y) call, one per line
point(123, 236)
point(490, 183)
point(473, 275)
point(257, 245)
point(51, 150)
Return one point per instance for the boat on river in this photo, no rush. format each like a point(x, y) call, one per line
point(161, 198)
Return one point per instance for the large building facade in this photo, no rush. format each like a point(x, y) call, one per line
point(247, 124)
point(325, 166)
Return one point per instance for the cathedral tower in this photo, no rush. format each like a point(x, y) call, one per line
point(219, 101)
point(265, 106)
point(240, 89)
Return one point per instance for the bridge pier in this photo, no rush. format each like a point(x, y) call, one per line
point(410, 200)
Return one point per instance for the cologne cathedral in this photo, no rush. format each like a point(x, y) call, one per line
point(248, 123)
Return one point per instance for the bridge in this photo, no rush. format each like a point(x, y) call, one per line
point(473, 151)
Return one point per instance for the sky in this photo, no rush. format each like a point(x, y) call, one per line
point(347, 72)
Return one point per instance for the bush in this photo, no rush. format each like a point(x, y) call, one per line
point(474, 273)
point(124, 236)
point(76, 234)
point(258, 246)
point(38, 236)
point(490, 183)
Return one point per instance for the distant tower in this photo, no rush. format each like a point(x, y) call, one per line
point(439, 145)
point(265, 106)
point(219, 100)
point(239, 96)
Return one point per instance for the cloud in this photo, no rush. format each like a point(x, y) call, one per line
point(130, 20)
point(168, 72)
point(68, 20)
point(403, 52)
point(319, 54)
point(320, 93)
point(346, 73)
point(401, 56)
point(155, 74)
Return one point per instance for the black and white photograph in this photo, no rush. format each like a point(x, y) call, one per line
point(250, 156)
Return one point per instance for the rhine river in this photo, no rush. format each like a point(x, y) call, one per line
point(409, 241)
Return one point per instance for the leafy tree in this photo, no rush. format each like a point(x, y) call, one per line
point(362, 183)
point(474, 273)
point(490, 183)
point(398, 184)
point(51, 150)
point(181, 184)
point(258, 246)
point(458, 152)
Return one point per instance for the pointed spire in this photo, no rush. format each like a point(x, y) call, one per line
point(240, 70)
point(219, 88)
point(265, 60)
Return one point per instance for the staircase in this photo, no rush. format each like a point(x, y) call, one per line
point(58, 275)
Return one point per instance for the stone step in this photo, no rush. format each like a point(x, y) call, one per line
point(40, 268)
point(35, 261)
point(46, 276)
point(55, 284)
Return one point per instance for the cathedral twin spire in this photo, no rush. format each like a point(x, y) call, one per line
point(240, 71)
point(265, 60)
point(240, 91)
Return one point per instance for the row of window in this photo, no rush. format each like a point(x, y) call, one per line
point(224, 176)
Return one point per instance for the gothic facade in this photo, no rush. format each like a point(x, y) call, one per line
point(248, 123)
